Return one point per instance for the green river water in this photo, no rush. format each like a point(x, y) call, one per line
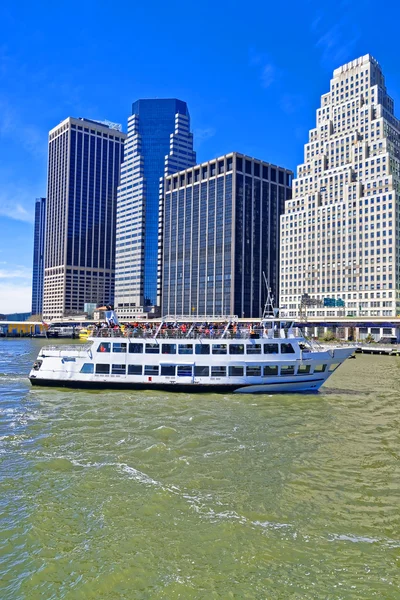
point(143, 495)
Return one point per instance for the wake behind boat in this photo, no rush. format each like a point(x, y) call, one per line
point(193, 356)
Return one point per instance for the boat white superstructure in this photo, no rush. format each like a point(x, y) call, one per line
point(228, 357)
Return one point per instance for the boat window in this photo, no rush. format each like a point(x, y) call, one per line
point(287, 369)
point(168, 348)
point(271, 348)
point(253, 348)
point(253, 371)
point(118, 370)
point(202, 348)
point(202, 371)
point(152, 349)
point(185, 349)
point(287, 349)
point(236, 349)
point(87, 368)
point(184, 371)
point(151, 369)
point(319, 368)
point(219, 349)
point(270, 370)
point(102, 369)
point(134, 369)
point(235, 371)
point(104, 347)
point(119, 347)
point(218, 371)
point(135, 348)
point(303, 370)
point(168, 370)
point(333, 367)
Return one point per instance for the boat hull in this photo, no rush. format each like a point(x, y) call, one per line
point(238, 388)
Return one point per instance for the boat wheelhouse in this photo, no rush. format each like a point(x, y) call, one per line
point(193, 357)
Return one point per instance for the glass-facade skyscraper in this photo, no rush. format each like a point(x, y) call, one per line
point(38, 256)
point(340, 232)
point(159, 143)
point(220, 234)
point(83, 174)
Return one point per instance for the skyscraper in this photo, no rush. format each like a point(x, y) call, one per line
point(220, 233)
point(38, 256)
point(83, 174)
point(340, 230)
point(159, 143)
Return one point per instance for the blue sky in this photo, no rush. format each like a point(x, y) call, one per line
point(252, 76)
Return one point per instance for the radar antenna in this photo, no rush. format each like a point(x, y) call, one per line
point(269, 310)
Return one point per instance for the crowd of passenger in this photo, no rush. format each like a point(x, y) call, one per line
point(180, 330)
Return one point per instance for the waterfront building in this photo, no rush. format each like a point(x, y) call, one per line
point(38, 256)
point(83, 174)
point(220, 233)
point(159, 143)
point(340, 231)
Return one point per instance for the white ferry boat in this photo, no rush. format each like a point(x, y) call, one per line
point(193, 357)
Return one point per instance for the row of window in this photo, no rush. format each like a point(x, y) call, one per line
point(203, 371)
point(153, 348)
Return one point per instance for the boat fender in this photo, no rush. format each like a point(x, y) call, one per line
point(332, 353)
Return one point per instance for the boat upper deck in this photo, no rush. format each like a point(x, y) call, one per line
point(196, 332)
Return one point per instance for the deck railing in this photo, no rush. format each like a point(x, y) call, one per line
point(177, 333)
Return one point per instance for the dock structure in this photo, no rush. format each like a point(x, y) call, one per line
point(388, 350)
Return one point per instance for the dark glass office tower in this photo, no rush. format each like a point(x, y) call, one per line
point(220, 233)
point(83, 175)
point(38, 256)
point(159, 143)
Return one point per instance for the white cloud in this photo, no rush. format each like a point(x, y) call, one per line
point(15, 298)
point(17, 203)
point(201, 135)
point(268, 72)
point(336, 42)
point(15, 273)
point(16, 211)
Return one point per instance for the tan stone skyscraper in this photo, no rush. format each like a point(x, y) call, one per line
point(339, 238)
